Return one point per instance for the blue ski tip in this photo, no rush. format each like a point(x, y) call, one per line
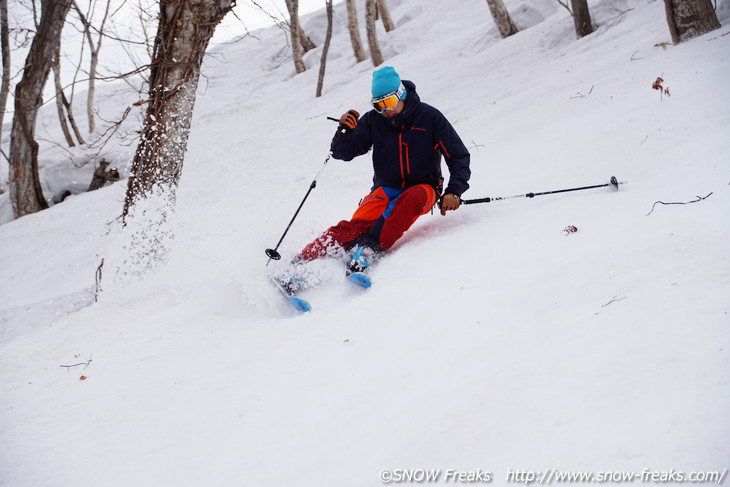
point(361, 279)
point(300, 304)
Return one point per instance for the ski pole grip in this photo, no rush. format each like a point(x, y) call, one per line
point(475, 201)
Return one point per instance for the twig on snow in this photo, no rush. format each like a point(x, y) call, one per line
point(581, 95)
point(699, 198)
point(475, 145)
point(85, 364)
point(98, 281)
point(613, 300)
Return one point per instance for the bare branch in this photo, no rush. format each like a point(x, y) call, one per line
point(699, 198)
point(564, 4)
point(615, 299)
point(85, 364)
point(581, 95)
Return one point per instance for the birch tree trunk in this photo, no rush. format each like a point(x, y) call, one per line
point(325, 49)
point(63, 106)
point(26, 194)
point(295, 30)
point(688, 19)
point(352, 27)
point(94, 48)
point(502, 18)
point(376, 56)
point(581, 18)
point(184, 30)
point(5, 41)
point(59, 95)
point(385, 15)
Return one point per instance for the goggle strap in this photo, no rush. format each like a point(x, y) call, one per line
point(399, 93)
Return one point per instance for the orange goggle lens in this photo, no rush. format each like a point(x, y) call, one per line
point(387, 103)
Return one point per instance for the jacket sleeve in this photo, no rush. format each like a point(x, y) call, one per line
point(457, 156)
point(346, 147)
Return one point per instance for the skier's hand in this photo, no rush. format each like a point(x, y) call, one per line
point(348, 121)
point(449, 202)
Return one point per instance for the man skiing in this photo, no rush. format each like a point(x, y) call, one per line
point(408, 138)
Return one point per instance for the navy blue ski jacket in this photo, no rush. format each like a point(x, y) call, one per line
point(407, 148)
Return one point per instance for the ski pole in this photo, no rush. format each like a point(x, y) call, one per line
point(613, 183)
point(274, 254)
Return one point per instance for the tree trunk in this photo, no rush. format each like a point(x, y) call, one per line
point(376, 56)
point(71, 118)
point(385, 15)
point(26, 194)
point(502, 18)
point(184, 30)
point(94, 49)
point(63, 106)
point(92, 90)
point(295, 29)
point(352, 26)
point(688, 19)
point(305, 41)
point(581, 18)
point(325, 49)
point(5, 39)
point(59, 95)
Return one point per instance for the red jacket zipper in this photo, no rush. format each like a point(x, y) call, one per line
point(400, 157)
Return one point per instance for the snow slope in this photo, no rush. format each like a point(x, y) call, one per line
point(491, 340)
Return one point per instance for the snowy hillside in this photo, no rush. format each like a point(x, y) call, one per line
point(492, 340)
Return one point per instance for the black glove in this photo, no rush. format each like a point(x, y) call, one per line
point(348, 121)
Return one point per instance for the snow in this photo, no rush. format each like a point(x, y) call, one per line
point(490, 340)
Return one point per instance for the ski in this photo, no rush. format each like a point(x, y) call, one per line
point(361, 279)
point(300, 304)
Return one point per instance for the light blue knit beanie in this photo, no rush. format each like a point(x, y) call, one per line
point(385, 80)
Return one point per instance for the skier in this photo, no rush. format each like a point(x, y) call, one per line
point(408, 138)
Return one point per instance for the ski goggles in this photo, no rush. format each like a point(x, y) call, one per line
point(388, 101)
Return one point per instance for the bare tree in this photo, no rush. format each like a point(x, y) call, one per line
point(325, 49)
point(26, 194)
point(581, 18)
point(382, 9)
point(502, 18)
point(688, 19)
point(352, 26)
point(94, 48)
point(376, 56)
point(183, 32)
point(295, 30)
